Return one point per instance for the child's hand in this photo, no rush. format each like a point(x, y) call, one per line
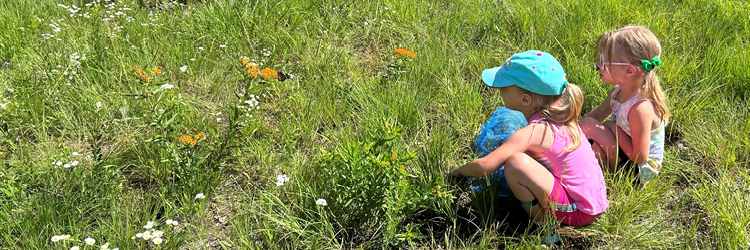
point(454, 177)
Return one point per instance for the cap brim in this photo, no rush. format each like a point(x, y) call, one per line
point(491, 78)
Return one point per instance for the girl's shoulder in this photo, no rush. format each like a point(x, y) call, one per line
point(644, 109)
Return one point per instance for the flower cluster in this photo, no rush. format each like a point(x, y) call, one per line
point(151, 73)
point(152, 234)
point(280, 179)
point(405, 52)
point(192, 140)
point(69, 164)
point(200, 196)
point(247, 106)
point(251, 68)
point(269, 73)
point(57, 238)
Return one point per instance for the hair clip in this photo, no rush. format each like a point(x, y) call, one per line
point(649, 65)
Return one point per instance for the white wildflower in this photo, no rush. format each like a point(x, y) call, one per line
point(157, 240)
point(172, 222)
point(75, 154)
point(56, 238)
point(66, 165)
point(200, 48)
point(98, 105)
point(74, 163)
point(166, 86)
point(59, 163)
point(280, 179)
point(222, 45)
point(200, 196)
point(89, 241)
point(105, 246)
point(158, 233)
point(183, 68)
point(321, 202)
point(192, 59)
point(75, 248)
point(139, 235)
point(149, 225)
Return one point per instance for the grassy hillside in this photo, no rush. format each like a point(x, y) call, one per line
point(93, 147)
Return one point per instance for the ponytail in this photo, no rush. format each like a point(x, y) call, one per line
point(651, 90)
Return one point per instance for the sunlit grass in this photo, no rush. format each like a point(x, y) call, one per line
point(352, 103)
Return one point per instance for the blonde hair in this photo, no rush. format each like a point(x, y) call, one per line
point(635, 43)
point(563, 109)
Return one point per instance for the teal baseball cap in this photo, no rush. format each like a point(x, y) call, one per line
point(533, 70)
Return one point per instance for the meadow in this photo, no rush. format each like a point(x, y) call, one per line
point(294, 124)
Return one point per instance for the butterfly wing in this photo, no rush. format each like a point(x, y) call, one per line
point(282, 76)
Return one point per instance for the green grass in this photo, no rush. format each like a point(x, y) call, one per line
point(341, 129)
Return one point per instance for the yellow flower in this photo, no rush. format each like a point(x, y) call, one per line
point(269, 73)
point(401, 169)
point(252, 69)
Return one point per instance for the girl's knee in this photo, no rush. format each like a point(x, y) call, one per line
point(515, 162)
point(587, 123)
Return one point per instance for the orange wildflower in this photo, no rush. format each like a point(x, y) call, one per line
point(156, 70)
point(199, 136)
point(145, 78)
point(244, 60)
point(252, 69)
point(185, 138)
point(394, 156)
point(269, 73)
point(405, 52)
point(138, 71)
point(188, 140)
